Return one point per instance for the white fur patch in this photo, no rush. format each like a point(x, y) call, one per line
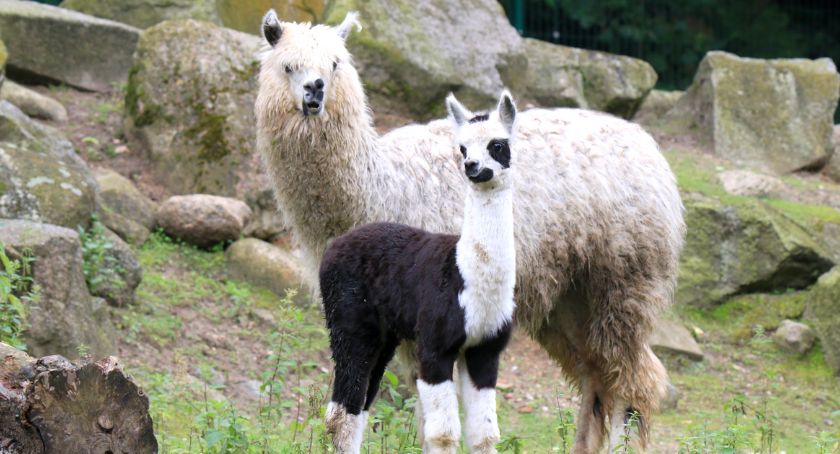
point(481, 424)
point(486, 258)
point(441, 424)
point(348, 430)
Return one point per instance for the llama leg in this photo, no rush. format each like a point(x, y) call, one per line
point(346, 419)
point(385, 356)
point(478, 371)
point(589, 436)
point(624, 423)
point(437, 395)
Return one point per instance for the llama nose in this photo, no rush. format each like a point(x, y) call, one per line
point(471, 168)
point(317, 84)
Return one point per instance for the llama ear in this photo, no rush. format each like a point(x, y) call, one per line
point(507, 110)
point(457, 112)
point(271, 27)
point(346, 26)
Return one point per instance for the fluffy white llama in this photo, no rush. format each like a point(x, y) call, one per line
point(599, 228)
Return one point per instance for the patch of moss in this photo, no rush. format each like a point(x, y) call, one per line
point(805, 212)
point(742, 315)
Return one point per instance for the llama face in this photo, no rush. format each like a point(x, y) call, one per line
point(307, 61)
point(484, 141)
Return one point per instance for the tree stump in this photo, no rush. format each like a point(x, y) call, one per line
point(51, 405)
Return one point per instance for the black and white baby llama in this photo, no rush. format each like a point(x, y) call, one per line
point(452, 296)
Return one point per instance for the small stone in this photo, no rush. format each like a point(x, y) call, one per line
point(33, 103)
point(751, 184)
point(673, 337)
point(525, 409)
point(105, 423)
point(203, 220)
point(794, 337)
point(671, 399)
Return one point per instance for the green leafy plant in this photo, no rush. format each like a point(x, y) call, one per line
point(102, 270)
point(17, 289)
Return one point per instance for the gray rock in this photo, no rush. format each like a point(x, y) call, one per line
point(264, 264)
point(751, 184)
point(130, 231)
point(744, 247)
point(411, 53)
point(267, 222)
point(33, 103)
point(794, 337)
point(656, 104)
point(560, 76)
point(65, 316)
point(197, 124)
point(672, 398)
point(674, 338)
point(203, 220)
point(122, 197)
point(66, 46)
point(41, 176)
point(832, 169)
point(770, 115)
point(822, 312)
point(120, 273)
point(145, 13)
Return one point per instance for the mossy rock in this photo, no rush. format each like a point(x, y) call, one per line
point(96, 55)
point(146, 13)
point(411, 54)
point(560, 76)
point(743, 247)
point(744, 315)
point(656, 104)
point(771, 115)
point(42, 177)
point(3, 56)
point(247, 16)
point(190, 102)
point(822, 311)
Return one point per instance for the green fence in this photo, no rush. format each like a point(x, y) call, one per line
point(674, 35)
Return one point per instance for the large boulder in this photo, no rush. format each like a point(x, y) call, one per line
point(47, 42)
point(145, 13)
point(246, 16)
point(264, 264)
point(203, 220)
point(823, 313)
point(190, 103)
point(33, 103)
point(410, 54)
point(771, 115)
point(65, 317)
point(743, 247)
point(41, 177)
point(560, 76)
point(656, 104)
point(833, 167)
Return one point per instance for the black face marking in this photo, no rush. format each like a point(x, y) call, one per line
point(485, 175)
point(335, 65)
point(463, 150)
point(596, 408)
point(272, 32)
point(288, 69)
point(481, 117)
point(500, 151)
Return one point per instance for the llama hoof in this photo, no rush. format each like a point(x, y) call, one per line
point(484, 446)
point(347, 429)
point(443, 444)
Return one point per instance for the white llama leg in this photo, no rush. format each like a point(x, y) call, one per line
point(623, 436)
point(441, 425)
point(481, 425)
point(347, 429)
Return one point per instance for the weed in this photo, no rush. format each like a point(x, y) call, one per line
point(17, 289)
point(101, 268)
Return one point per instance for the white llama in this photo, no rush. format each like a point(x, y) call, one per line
point(600, 221)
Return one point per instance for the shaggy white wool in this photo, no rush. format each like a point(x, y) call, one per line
point(441, 425)
point(481, 427)
point(348, 430)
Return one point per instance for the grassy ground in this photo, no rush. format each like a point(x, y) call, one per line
point(233, 368)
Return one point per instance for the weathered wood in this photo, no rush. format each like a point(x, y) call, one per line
point(54, 406)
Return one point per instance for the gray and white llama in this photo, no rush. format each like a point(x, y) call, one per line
point(600, 221)
point(451, 296)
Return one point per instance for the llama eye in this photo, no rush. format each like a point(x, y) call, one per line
point(288, 69)
point(335, 65)
point(497, 146)
point(463, 150)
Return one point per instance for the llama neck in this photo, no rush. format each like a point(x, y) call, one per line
point(486, 258)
